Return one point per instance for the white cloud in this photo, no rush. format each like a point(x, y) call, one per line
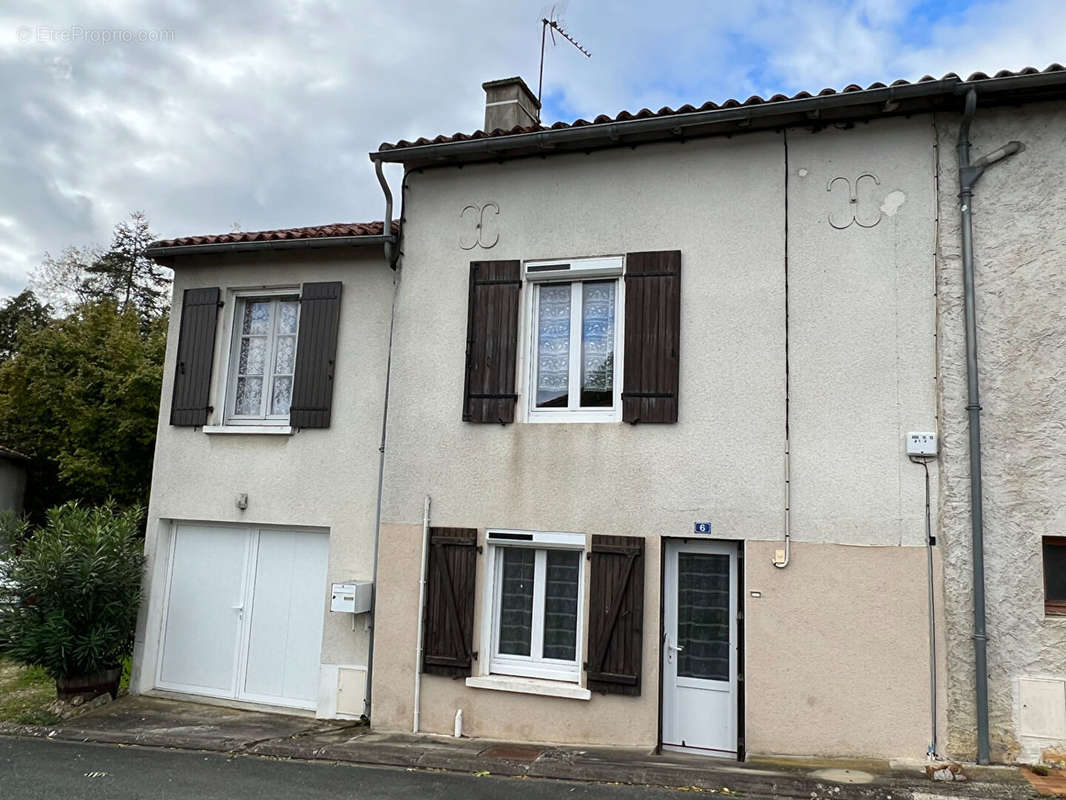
point(263, 113)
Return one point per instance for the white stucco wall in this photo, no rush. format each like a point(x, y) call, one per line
point(1021, 282)
point(12, 484)
point(323, 478)
point(861, 321)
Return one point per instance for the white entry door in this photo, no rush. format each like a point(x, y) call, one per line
point(244, 612)
point(700, 647)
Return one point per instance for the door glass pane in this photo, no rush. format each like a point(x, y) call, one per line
point(703, 615)
point(597, 344)
point(560, 604)
point(516, 601)
point(553, 345)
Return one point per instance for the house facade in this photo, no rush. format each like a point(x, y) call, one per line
point(648, 472)
point(266, 469)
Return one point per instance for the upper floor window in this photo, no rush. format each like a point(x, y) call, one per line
point(575, 340)
point(263, 359)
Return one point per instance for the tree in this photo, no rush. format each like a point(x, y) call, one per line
point(126, 275)
point(122, 273)
point(20, 315)
point(81, 398)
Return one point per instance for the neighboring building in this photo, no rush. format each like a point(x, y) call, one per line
point(646, 480)
point(266, 467)
point(12, 479)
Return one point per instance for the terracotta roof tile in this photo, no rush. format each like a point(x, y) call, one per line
point(311, 232)
point(666, 111)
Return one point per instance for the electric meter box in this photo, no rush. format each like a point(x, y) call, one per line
point(352, 597)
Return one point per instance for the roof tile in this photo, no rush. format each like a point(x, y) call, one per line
point(665, 111)
point(311, 232)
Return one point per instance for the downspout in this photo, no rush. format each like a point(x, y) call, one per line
point(969, 174)
point(392, 252)
point(421, 620)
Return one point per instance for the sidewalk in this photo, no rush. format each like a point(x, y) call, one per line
point(154, 722)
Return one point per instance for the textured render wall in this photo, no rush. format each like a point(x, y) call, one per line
point(863, 373)
point(837, 651)
point(322, 478)
point(1020, 243)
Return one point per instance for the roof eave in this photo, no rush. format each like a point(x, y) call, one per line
point(214, 248)
point(839, 107)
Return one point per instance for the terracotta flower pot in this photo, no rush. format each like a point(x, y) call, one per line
point(91, 685)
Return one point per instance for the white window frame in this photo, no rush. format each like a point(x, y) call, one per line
point(530, 666)
point(238, 298)
point(600, 268)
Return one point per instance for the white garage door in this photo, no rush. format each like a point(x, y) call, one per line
point(244, 611)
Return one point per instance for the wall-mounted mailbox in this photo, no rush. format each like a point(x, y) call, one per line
point(352, 597)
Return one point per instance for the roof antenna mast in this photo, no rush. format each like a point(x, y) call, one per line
point(554, 23)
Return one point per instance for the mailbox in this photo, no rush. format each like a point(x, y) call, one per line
point(352, 597)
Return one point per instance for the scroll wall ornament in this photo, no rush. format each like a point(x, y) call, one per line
point(478, 226)
point(864, 212)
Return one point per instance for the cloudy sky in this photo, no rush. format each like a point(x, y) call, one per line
point(213, 115)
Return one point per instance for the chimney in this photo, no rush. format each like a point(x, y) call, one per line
point(509, 104)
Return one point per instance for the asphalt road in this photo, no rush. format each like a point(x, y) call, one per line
point(37, 769)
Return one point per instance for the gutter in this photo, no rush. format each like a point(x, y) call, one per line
point(827, 109)
point(214, 248)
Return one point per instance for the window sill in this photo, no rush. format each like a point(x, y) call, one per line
point(276, 430)
point(509, 683)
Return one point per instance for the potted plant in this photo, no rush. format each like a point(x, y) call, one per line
point(72, 592)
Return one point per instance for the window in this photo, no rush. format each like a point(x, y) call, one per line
point(1055, 575)
point(535, 596)
point(575, 341)
point(263, 359)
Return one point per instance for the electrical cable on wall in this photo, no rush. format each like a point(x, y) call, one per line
point(930, 543)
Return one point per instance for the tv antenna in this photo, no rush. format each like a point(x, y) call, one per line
point(554, 24)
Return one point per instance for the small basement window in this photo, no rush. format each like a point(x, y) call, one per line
point(1055, 575)
point(535, 596)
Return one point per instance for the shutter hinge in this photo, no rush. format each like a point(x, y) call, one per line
point(479, 549)
point(221, 303)
point(474, 655)
point(588, 556)
point(210, 409)
point(585, 666)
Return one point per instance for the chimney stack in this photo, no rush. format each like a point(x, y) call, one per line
point(509, 104)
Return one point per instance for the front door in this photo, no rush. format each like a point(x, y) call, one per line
point(700, 647)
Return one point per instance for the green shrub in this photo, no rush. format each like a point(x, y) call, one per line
point(73, 591)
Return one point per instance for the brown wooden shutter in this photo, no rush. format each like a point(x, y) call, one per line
point(492, 342)
point(652, 336)
point(196, 353)
point(616, 614)
point(448, 624)
point(316, 354)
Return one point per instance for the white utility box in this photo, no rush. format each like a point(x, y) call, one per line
point(352, 597)
point(921, 444)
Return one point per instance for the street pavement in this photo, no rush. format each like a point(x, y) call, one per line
point(40, 769)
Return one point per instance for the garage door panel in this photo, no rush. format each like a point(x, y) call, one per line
point(202, 626)
point(285, 629)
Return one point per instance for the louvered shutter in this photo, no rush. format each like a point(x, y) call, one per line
point(492, 342)
point(616, 614)
point(448, 621)
point(196, 353)
point(652, 336)
point(316, 354)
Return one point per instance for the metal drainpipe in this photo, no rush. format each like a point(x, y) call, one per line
point(969, 174)
point(392, 252)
